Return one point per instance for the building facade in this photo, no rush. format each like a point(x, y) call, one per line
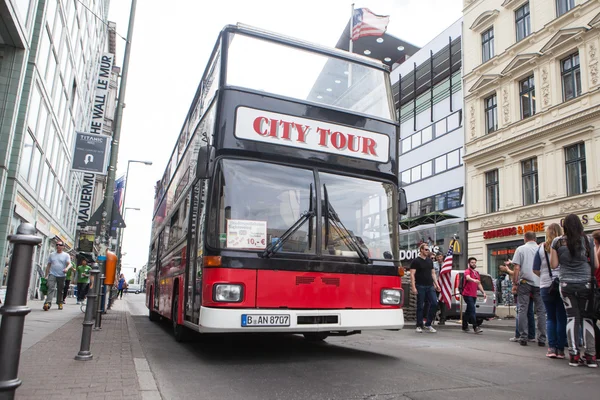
point(50, 54)
point(532, 110)
point(431, 146)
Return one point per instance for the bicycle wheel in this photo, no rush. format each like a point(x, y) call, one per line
point(83, 304)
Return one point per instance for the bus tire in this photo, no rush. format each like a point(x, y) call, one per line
point(315, 336)
point(179, 331)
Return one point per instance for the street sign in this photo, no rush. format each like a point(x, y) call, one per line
point(91, 153)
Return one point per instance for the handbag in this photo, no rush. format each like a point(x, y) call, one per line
point(554, 289)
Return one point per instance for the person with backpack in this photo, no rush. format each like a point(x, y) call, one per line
point(574, 252)
point(556, 316)
point(471, 282)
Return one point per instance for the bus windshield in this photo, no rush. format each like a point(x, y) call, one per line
point(259, 202)
point(283, 70)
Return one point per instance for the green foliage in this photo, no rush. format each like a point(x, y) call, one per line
point(131, 281)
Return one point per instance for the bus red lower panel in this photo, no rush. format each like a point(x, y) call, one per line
point(291, 289)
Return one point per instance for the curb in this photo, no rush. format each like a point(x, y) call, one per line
point(146, 380)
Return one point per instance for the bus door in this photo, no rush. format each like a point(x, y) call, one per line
point(158, 269)
point(193, 277)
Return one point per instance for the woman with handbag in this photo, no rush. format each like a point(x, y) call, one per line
point(574, 253)
point(556, 316)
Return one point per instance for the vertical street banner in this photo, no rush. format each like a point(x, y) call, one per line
point(99, 105)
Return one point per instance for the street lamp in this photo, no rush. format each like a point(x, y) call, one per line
point(127, 176)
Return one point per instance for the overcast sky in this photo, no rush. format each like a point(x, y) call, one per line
point(171, 45)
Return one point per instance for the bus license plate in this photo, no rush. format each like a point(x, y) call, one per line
point(265, 320)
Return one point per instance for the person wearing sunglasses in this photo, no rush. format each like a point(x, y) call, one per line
point(424, 284)
point(58, 263)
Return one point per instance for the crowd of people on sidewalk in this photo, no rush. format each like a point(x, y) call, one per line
point(61, 270)
point(554, 283)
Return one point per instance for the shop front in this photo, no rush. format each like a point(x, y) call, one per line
point(439, 238)
point(501, 243)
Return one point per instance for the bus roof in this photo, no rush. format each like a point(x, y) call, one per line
point(288, 40)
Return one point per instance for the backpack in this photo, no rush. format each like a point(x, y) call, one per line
point(461, 284)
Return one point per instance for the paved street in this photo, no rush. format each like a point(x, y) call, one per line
point(379, 365)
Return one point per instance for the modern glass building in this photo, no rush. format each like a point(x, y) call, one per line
point(50, 52)
point(431, 145)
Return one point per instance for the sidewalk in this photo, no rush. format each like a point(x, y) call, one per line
point(51, 340)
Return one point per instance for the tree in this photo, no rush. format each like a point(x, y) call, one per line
point(131, 281)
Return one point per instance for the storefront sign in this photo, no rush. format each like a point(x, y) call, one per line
point(584, 219)
point(412, 254)
point(24, 208)
point(597, 218)
point(42, 225)
point(309, 134)
point(514, 230)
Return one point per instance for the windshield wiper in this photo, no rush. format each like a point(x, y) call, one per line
point(274, 247)
point(349, 238)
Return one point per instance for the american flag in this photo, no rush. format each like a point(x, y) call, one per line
point(445, 273)
point(365, 23)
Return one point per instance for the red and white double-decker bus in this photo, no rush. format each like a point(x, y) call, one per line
point(278, 210)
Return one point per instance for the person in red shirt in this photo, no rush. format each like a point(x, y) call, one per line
point(471, 285)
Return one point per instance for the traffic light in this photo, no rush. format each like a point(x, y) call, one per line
point(135, 269)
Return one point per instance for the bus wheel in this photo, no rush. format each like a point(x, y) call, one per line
point(315, 336)
point(179, 331)
point(152, 316)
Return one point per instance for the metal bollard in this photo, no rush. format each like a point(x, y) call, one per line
point(15, 308)
point(98, 324)
point(86, 335)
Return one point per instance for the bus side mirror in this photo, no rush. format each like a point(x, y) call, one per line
point(402, 203)
point(206, 156)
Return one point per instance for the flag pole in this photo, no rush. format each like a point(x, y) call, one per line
point(351, 45)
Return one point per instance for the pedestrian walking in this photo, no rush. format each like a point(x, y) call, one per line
point(526, 285)
point(556, 316)
point(83, 280)
point(530, 315)
point(471, 285)
point(71, 270)
point(424, 284)
point(121, 286)
point(58, 263)
point(574, 252)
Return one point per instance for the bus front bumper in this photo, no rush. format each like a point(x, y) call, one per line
point(297, 321)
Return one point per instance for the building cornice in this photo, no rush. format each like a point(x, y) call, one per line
point(536, 36)
point(532, 213)
point(532, 135)
point(484, 20)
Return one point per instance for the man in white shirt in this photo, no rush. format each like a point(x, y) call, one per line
point(526, 285)
point(58, 263)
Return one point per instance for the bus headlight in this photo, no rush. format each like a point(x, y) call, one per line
point(391, 296)
point(227, 293)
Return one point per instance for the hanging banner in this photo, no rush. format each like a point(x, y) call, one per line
point(99, 105)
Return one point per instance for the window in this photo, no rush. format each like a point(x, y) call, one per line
point(522, 22)
point(563, 6)
point(576, 169)
point(527, 96)
point(530, 181)
point(492, 191)
point(431, 132)
point(439, 202)
point(487, 44)
point(571, 77)
point(491, 114)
